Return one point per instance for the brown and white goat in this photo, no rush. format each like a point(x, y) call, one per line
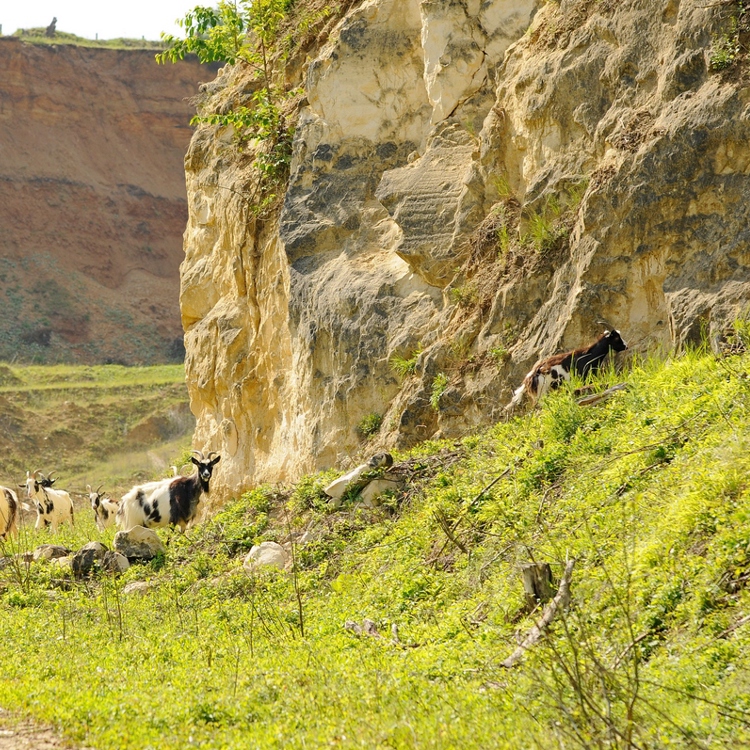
point(8, 513)
point(550, 373)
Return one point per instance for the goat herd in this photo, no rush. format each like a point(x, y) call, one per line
point(172, 501)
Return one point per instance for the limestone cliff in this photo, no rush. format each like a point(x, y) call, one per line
point(92, 202)
point(473, 185)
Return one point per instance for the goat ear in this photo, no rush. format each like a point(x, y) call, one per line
point(215, 461)
point(195, 460)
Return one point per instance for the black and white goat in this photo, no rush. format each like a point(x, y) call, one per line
point(8, 513)
point(53, 507)
point(169, 502)
point(104, 509)
point(550, 373)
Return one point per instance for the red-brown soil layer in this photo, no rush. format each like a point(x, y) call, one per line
point(92, 202)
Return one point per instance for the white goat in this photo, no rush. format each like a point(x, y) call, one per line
point(53, 507)
point(104, 509)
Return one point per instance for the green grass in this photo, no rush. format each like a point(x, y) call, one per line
point(649, 492)
point(92, 424)
point(37, 36)
point(60, 377)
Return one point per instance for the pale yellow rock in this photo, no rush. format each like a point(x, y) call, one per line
point(421, 119)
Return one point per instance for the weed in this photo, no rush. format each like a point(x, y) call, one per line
point(502, 187)
point(405, 366)
point(465, 295)
point(500, 354)
point(544, 230)
point(504, 241)
point(726, 48)
point(369, 425)
point(724, 51)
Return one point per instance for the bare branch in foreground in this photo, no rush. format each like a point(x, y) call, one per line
point(561, 600)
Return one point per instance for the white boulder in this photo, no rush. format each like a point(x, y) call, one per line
point(265, 553)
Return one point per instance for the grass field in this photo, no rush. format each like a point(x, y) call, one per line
point(37, 36)
point(92, 425)
point(649, 494)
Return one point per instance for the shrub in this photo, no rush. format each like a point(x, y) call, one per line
point(465, 295)
point(369, 424)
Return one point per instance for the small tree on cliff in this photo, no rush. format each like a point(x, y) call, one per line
point(246, 33)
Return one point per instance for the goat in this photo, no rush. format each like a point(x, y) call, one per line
point(550, 373)
point(53, 507)
point(8, 513)
point(104, 509)
point(169, 502)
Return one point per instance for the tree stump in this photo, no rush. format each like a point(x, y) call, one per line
point(537, 584)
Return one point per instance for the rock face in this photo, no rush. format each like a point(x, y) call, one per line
point(443, 149)
point(92, 202)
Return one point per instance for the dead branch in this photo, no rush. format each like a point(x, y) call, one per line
point(597, 398)
point(561, 600)
point(445, 525)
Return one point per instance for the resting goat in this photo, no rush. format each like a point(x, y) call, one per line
point(550, 373)
point(53, 507)
point(8, 513)
point(104, 509)
point(170, 502)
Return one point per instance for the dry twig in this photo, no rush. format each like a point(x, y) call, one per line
point(550, 611)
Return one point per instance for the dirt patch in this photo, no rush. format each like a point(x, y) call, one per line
point(26, 735)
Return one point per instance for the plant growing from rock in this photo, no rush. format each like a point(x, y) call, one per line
point(369, 424)
point(465, 295)
point(726, 48)
point(404, 366)
point(247, 33)
point(500, 354)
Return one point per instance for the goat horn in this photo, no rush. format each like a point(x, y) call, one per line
point(99, 488)
point(38, 471)
point(211, 455)
point(606, 324)
point(200, 454)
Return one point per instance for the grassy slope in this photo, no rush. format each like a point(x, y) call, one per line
point(37, 36)
point(107, 424)
point(649, 492)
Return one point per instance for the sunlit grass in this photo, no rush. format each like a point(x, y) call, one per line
point(649, 492)
point(47, 377)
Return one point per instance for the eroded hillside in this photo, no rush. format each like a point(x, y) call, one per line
point(92, 202)
point(471, 186)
